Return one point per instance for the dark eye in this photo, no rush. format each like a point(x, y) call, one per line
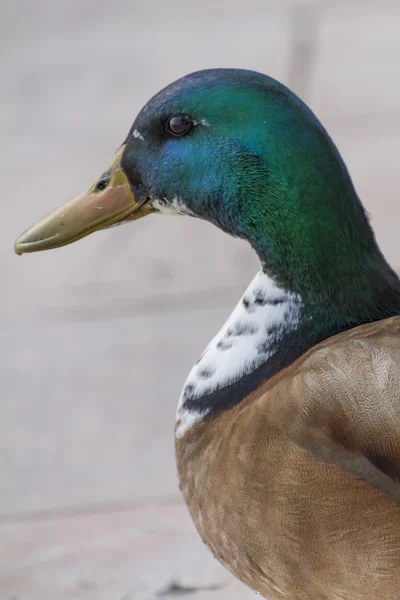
point(179, 124)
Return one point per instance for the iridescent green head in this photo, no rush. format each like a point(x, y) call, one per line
point(252, 159)
point(238, 149)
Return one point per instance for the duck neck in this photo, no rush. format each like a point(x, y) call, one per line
point(341, 285)
point(318, 243)
point(274, 324)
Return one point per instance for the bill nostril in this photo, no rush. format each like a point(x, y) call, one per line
point(102, 183)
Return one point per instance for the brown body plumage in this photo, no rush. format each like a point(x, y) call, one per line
point(294, 489)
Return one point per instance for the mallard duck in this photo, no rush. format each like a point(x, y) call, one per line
point(288, 427)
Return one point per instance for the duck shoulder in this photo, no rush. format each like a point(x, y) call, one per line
point(341, 402)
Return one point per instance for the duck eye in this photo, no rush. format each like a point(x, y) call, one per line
point(179, 125)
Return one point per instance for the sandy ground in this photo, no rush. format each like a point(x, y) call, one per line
point(97, 338)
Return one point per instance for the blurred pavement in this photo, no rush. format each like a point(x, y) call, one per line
point(97, 338)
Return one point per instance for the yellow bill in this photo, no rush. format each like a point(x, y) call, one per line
point(108, 201)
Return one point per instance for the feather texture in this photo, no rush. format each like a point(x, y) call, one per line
point(296, 488)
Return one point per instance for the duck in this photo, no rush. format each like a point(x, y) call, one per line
point(288, 426)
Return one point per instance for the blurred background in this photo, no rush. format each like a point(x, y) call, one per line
point(97, 338)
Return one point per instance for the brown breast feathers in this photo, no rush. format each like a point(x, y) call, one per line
point(296, 488)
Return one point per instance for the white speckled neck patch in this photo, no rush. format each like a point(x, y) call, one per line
point(243, 343)
point(176, 206)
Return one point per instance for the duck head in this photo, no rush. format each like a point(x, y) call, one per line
point(240, 150)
